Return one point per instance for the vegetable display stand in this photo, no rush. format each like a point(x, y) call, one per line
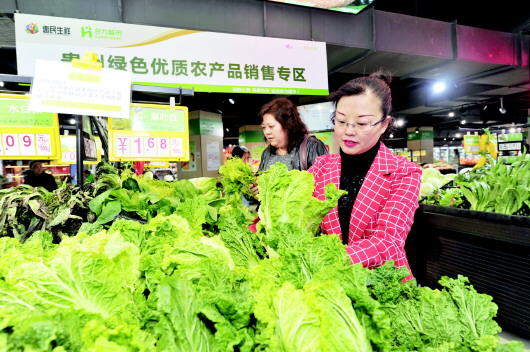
point(492, 250)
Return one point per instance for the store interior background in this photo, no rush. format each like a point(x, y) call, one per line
point(356, 44)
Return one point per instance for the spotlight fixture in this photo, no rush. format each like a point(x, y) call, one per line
point(439, 87)
point(231, 101)
point(220, 111)
point(72, 121)
point(502, 110)
point(391, 135)
point(451, 114)
point(484, 108)
point(417, 130)
point(463, 122)
point(400, 122)
point(458, 135)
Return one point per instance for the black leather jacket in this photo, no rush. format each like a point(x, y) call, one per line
point(315, 148)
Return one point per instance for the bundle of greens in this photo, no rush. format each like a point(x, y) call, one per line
point(498, 187)
point(26, 209)
point(236, 177)
point(287, 197)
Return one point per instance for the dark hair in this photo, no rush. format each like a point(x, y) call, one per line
point(286, 113)
point(378, 83)
point(239, 151)
point(33, 163)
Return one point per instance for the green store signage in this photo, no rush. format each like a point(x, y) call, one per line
point(206, 127)
point(151, 119)
point(421, 135)
point(251, 137)
point(16, 113)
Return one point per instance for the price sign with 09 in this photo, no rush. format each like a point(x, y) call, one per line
point(26, 144)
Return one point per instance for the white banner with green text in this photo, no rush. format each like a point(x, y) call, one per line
point(204, 61)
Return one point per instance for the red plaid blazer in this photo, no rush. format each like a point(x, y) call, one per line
point(383, 211)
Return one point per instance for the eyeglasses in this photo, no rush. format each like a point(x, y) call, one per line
point(358, 126)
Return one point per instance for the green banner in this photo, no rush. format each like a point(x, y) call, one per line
point(241, 89)
point(251, 137)
point(206, 127)
point(16, 113)
point(151, 119)
point(421, 135)
point(510, 137)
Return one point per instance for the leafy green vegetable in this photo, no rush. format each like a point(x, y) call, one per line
point(207, 186)
point(286, 197)
point(179, 327)
point(245, 248)
point(237, 176)
point(497, 187)
point(319, 317)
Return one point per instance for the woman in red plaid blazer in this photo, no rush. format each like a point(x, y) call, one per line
point(376, 215)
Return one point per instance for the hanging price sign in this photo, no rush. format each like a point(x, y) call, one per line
point(471, 143)
point(151, 133)
point(69, 151)
point(26, 134)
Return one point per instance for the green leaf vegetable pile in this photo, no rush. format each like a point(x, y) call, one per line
point(183, 280)
point(495, 187)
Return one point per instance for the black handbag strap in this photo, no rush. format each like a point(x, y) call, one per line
point(303, 153)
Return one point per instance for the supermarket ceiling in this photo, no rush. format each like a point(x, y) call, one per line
point(356, 44)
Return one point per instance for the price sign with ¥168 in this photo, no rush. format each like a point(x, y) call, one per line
point(153, 133)
point(152, 148)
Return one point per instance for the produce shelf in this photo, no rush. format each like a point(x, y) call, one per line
point(492, 250)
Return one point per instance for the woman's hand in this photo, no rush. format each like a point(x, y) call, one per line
point(254, 189)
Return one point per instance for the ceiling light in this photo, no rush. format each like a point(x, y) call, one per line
point(400, 122)
point(72, 121)
point(458, 135)
point(231, 101)
point(445, 139)
point(512, 130)
point(463, 122)
point(417, 130)
point(502, 109)
point(451, 114)
point(439, 87)
point(1, 83)
point(220, 111)
point(227, 130)
point(391, 135)
point(484, 108)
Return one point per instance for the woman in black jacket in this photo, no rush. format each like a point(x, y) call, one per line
point(289, 142)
